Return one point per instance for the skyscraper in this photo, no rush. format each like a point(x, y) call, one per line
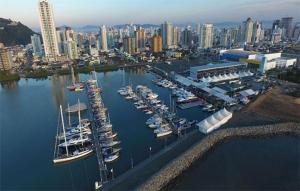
point(48, 30)
point(176, 36)
point(156, 43)
point(103, 38)
point(187, 37)
point(225, 40)
point(129, 45)
point(247, 30)
point(61, 40)
point(206, 36)
point(36, 45)
point(71, 44)
point(167, 34)
point(257, 31)
point(140, 38)
point(286, 24)
point(275, 25)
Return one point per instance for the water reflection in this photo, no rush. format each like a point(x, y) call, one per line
point(11, 85)
point(57, 86)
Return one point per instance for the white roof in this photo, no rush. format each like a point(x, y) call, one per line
point(214, 121)
point(183, 80)
point(248, 92)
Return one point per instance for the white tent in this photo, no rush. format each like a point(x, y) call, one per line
point(214, 121)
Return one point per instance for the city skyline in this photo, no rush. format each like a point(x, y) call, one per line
point(97, 13)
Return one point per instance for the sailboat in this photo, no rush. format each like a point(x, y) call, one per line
point(80, 138)
point(70, 155)
point(75, 86)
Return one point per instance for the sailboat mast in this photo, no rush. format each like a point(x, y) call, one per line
point(69, 115)
point(63, 124)
point(79, 119)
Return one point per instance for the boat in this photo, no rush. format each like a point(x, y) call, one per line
point(77, 154)
point(110, 151)
point(73, 133)
point(111, 158)
point(163, 132)
point(207, 107)
point(69, 156)
point(110, 143)
point(75, 86)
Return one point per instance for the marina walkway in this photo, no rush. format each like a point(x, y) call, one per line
point(140, 173)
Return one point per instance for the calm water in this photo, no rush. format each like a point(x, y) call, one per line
point(28, 119)
point(247, 164)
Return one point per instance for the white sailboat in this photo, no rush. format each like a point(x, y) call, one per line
point(70, 156)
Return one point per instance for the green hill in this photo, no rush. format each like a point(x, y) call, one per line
point(14, 33)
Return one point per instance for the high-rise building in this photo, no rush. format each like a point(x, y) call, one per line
point(36, 45)
point(234, 36)
point(71, 44)
point(176, 35)
point(140, 38)
point(225, 40)
point(275, 25)
point(206, 36)
point(296, 32)
point(103, 38)
point(61, 40)
point(187, 37)
point(247, 30)
point(257, 32)
point(129, 45)
point(167, 34)
point(156, 44)
point(286, 24)
point(5, 58)
point(48, 30)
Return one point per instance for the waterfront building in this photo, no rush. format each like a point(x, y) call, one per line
point(103, 38)
point(5, 58)
point(129, 45)
point(167, 32)
point(206, 36)
point(156, 44)
point(286, 24)
point(48, 30)
point(198, 72)
point(36, 45)
point(140, 39)
point(247, 31)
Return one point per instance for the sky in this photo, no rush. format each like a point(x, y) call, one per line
point(77, 13)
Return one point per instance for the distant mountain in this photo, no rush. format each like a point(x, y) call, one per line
point(14, 33)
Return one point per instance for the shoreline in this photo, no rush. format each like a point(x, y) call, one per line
point(163, 178)
point(84, 70)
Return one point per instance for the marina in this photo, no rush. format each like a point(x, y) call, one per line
point(129, 125)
